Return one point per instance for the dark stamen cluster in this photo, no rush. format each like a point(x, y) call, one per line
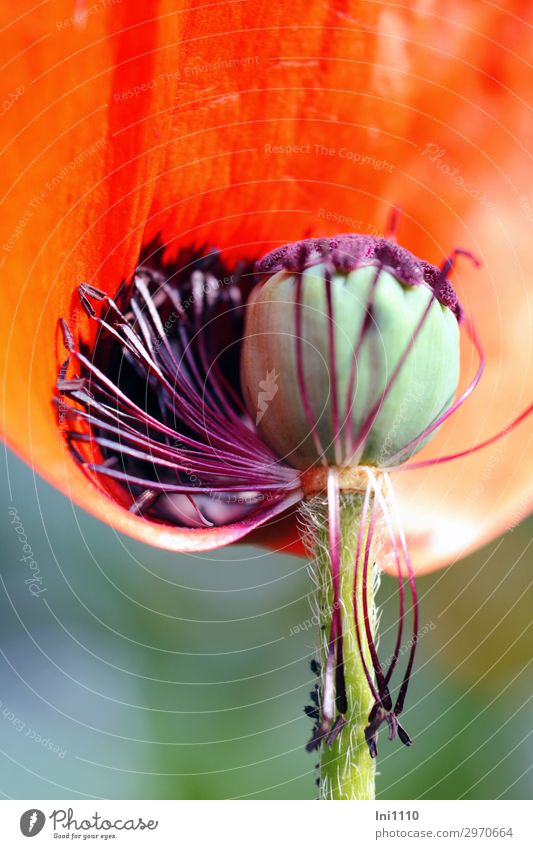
point(155, 405)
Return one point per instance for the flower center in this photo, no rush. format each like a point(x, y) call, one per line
point(350, 478)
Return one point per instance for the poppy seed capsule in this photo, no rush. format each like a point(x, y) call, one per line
point(350, 351)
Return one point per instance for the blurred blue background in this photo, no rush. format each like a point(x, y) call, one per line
point(143, 674)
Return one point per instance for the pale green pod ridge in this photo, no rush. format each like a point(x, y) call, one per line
point(423, 388)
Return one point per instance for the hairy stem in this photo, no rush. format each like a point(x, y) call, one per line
point(347, 770)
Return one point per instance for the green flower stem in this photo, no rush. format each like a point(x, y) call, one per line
point(347, 770)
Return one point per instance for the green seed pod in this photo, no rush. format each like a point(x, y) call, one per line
point(350, 351)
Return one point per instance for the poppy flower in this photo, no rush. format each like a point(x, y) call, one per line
point(139, 141)
point(363, 338)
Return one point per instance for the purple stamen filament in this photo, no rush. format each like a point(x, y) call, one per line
point(302, 386)
point(332, 366)
point(182, 443)
point(374, 503)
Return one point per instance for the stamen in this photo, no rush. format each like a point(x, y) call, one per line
point(363, 331)
point(407, 448)
point(143, 502)
point(401, 593)
point(335, 635)
point(381, 712)
point(360, 537)
point(335, 730)
point(398, 707)
point(421, 464)
point(177, 442)
point(334, 521)
point(383, 690)
point(375, 410)
point(393, 222)
point(449, 262)
point(440, 284)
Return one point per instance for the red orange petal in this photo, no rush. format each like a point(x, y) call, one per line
point(362, 89)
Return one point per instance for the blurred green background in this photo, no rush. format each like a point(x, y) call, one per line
point(143, 674)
